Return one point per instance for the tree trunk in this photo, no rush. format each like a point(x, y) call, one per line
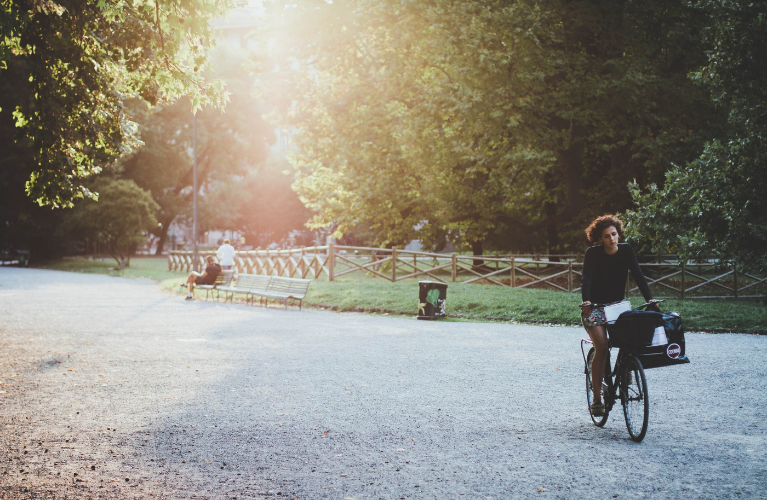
point(116, 253)
point(553, 235)
point(476, 249)
point(550, 209)
point(164, 234)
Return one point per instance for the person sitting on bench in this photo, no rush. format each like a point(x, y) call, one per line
point(206, 278)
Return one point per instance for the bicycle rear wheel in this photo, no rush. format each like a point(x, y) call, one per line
point(636, 404)
point(598, 421)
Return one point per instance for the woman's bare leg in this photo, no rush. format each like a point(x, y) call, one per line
point(190, 281)
point(598, 336)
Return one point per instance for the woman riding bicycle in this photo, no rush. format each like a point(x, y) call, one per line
point(604, 282)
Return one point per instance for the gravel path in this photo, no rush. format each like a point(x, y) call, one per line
point(113, 389)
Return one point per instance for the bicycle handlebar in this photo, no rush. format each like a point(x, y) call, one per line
point(643, 306)
point(651, 303)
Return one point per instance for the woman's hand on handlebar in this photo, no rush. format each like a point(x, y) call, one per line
point(652, 305)
point(586, 304)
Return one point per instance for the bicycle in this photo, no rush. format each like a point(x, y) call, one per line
point(626, 382)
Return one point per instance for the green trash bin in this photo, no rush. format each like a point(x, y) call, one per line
point(432, 297)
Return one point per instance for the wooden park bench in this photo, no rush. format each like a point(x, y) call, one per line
point(284, 289)
point(224, 279)
point(244, 284)
point(269, 287)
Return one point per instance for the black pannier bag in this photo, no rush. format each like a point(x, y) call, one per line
point(635, 330)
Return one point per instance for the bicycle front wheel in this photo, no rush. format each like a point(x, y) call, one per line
point(636, 404)
point(598, 421)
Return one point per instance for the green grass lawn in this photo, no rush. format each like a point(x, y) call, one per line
point(140, 267)
point(464, 302)
point(495, 303)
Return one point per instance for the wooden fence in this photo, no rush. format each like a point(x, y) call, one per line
point(664, 273)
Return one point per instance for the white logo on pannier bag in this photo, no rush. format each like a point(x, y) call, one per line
point(673, 351)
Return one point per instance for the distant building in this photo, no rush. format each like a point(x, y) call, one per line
point(235, 27)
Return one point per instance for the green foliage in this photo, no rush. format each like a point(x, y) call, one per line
point(504, 124)
point(717, 204)
point(23, 223)
point(229, 146)
point(119, 220)
point(77, 62)
point(264, 207)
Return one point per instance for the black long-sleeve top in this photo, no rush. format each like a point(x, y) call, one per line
point(604, 276)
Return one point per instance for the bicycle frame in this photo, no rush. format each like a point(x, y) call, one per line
point(629, 388)
point(612, 376)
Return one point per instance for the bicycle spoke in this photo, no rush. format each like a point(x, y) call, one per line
point(634, 398)
point(598, 421)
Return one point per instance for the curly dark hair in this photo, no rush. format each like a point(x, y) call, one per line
point(594, 231)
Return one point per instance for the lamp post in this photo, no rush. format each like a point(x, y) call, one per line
point(194, 163)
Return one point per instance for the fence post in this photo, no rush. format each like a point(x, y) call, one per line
point(735, 283)
point(513, 274)
point(660, 267)
point(454, 271)
point(537, 267)
point(331, 260)
point(394, 264)
point(682, 279)
point(303, 262)
point(317, 268)
point(569, 276)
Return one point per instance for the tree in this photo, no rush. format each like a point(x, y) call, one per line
point(267, 209)
point(121, 219)
point(491, 123)
point(76, 63)
point(23, 223)
point(229, 144)
point(717, 204)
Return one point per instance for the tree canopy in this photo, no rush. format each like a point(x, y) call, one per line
point(716, 204)
point(229, 146)
point(74, 63)
point(503, 124)
point(489, 123)
point(118, 221)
